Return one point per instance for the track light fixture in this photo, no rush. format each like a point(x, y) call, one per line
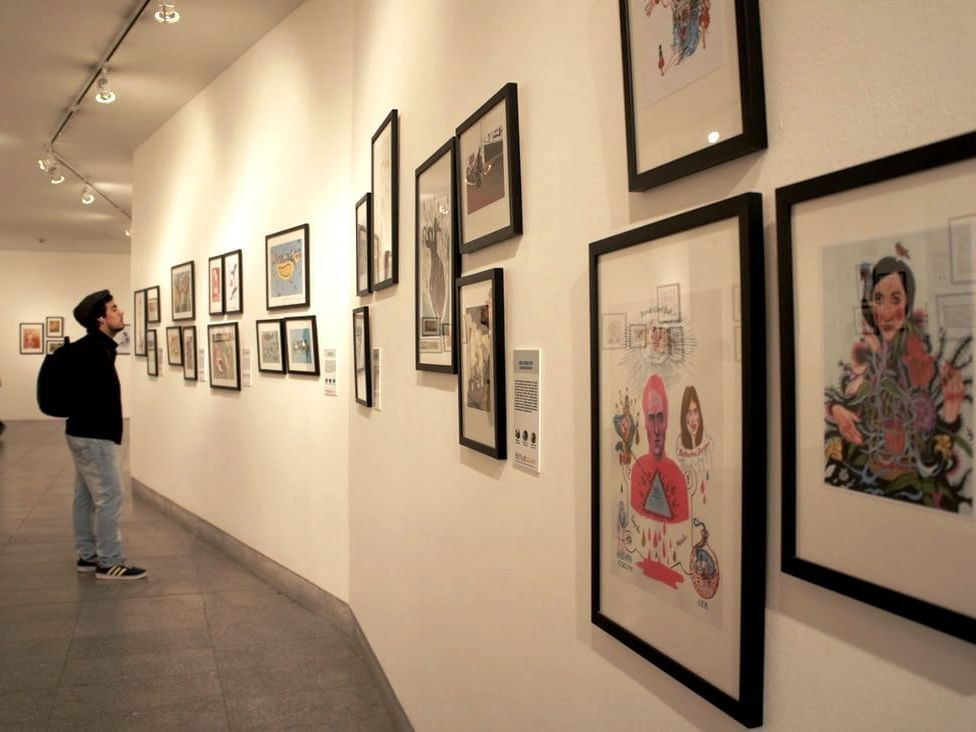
point(50, 166)
point(56, 175)
point(87, 196)
point(167, 13)
point(104, 95)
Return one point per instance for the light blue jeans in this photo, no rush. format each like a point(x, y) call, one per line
point(98, 500)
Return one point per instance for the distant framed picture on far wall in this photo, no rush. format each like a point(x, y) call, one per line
point(31, 338)
point(182, 292)
point(54, 326)
point(286, 268)
point(385, 206)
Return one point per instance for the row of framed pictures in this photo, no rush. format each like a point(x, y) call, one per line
point(181, 351)
point(877, 418)
point(46, 337)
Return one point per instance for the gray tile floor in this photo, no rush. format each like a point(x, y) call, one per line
point(200, 644)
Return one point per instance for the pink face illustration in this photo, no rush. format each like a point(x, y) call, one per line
point(888, 305)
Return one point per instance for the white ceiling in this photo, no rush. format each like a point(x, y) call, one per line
point(49, 50)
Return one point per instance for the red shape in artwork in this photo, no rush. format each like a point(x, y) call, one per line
point(658, 571)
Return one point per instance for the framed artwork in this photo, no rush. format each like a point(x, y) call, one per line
point(286, 268)
point(181, 279)
point(364, 251)
point(233, 283)
point(139, 313)
point(31, 338)
point(481, 362)
point(669, 303)
point(53, 326)
point(302, 345)
point(437, 262)
point(678, 512)
point(361, 353)
point(489, 173)
point(878, 427)
point(174, 346)
point(271, 354)
point(123, 341)
point(225, 356)
point(215, 278)
point(152, 353)
point(153, 311)
point(189, 337)
point(385, 204)
point(693, 86)
point(53, 344)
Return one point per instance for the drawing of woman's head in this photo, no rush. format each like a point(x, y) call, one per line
point(888, 303)
point(692, 422)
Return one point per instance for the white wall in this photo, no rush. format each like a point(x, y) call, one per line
point(471, 578)
point(34, 285)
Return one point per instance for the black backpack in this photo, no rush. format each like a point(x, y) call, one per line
point(55, 382)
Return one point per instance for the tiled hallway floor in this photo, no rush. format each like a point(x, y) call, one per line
point(201, 644)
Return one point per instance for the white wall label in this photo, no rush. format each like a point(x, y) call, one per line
point(245, 367)
point(330, 371)
point(526, 401)
point(202, 365)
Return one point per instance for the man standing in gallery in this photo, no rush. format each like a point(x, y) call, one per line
point(94, 435)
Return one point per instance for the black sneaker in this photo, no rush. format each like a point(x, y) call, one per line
point(86, 565)
point(120, 572)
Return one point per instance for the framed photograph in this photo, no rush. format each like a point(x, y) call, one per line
point(361, 353)
point(489, 172)
point(153, 311)
point(286, 268)
point(301, 345)
point(123, 341)
point(385, 204)
point(878, 427)
point(139, 315)
point(364, 248)
point(215, 278)
point(181, 279)
point(271, 354)
point(233, 286)
point(189, 337)
point(174, 346)
point(152, 353)
point(481, 362)
point(53, 344)
point(437, 261)
point(53, 327)
point(31, 338)
point(225, 356)
point(693, 86)
point(678, 453)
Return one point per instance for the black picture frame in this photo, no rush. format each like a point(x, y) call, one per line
point(227, 356)
point(215, 285)
point(910, 192)
point(54, 327)
point(31, 339)
point(270, 346)
point(307, 342)
point(233, 282)
point(496, 214)
point(364, 244)
point(154, 307)
point(432, 225)
point(139, 322)
point(481, 376)
point(174, 356)
point(646, 604)
point(188, 337)
point(182, 291)
point(362, 357)
point(385, 203)
point(152, 353)
point(749, 135)
point(286, 268)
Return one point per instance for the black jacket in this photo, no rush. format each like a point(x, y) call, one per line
point(97, 410)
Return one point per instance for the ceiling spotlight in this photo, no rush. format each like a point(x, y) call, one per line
point(87, 196)
point(56, 175)
point(128, 234)
point(104, 94)
point(167, 13)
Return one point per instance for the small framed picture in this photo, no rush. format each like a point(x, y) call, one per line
point(215, 278)
point(481, 367)
point(189, 334)
point(286, 268)
point(302, 352)
point(31, 338)
point(489, 172)
point(271, 355)
point(364, 246)
point(152, 353)
point(174, 346)
point(225, 356)
point(669, 303)
point(385, 205)
point(153, 311)
point(53, 327)
point(139, 320)
point(233, 285)
point(361, 353)
point(53, 344)
point(181, 279)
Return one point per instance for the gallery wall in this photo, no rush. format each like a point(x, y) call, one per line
point(34, 285)
point(469, 576)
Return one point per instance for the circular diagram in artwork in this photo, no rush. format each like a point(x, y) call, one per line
point(704, 566)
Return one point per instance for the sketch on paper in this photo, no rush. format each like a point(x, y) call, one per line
point(484, 170)
point(477, 336)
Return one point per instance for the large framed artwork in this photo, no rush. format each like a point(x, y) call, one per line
point(693, 86)
point(139, 321)
point(271, 354)
point(153, 309)
point(489, 172)
point(174, 345)
point(480, 301)
point(678, 453)
point(437, 261)
point(31, 338)
point(286, 268)
point(385, 204)
point(364, 238)
point(152, 353)
point(189, 338)
point(225, 356)
point(302, 345)
point(233, 286)
point(361, 356)
point(181, 276)
point(215, 280)
point(878, 414)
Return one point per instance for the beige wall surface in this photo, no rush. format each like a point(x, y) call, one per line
point(470, 577)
